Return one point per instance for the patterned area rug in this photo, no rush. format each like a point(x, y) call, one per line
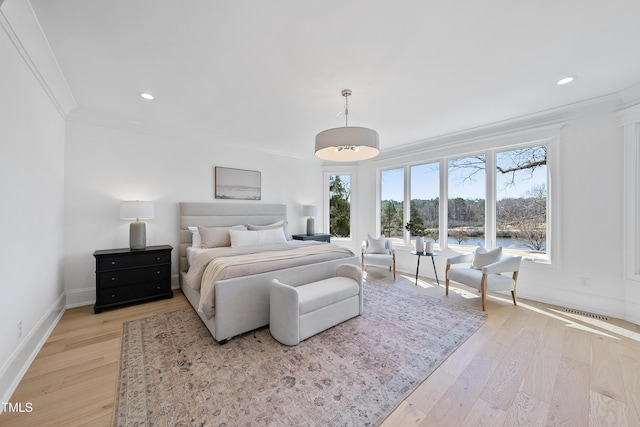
point(354, 374)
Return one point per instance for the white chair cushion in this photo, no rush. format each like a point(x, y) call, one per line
point(376, 245)
point(383, 260)
point(484, 257)
point(326, 292)
point(472, 278)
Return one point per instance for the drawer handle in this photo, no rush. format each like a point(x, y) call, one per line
point(113, 279)
point(158, 287)
point(158, 272)
point(113, 263)
point(158, 259)
point(113, 295)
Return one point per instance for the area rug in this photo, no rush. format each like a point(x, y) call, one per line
point(174, 374)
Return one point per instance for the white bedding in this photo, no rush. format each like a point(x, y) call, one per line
point(211, 265)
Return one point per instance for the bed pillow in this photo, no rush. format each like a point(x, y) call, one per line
point(216, 237)
point(376, 245)
point(241, 239)
point(283, 224)
point(196, 240)
point(482, 257)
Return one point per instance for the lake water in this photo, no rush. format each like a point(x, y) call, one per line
point(505, 243)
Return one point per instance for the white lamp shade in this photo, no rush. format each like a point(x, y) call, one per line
point(347, 144)
point(136, 210)
point(309, 210)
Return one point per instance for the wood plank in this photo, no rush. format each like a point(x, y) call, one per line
point(570, 400)
point(484, 414)
point(526, 411)
point(454, 405)
point(540, 378)
point(605, 411)
point(606, 373)
point(506, 380)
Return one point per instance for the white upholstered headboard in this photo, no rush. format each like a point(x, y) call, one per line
point(222, 215)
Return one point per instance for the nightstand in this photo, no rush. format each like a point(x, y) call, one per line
point(128, 275)
point(318, 236)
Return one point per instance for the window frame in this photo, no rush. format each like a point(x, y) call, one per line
point(489, 145)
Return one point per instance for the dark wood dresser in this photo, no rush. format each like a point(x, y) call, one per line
point(126, 275)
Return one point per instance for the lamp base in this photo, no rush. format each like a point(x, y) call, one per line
point(311, 226)
point(137, 235)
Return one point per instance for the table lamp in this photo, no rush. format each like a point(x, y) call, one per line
point(310, 211)
point(137, 210)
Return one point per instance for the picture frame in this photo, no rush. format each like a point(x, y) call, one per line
point(237, 184)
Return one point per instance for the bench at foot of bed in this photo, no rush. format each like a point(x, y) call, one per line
point(299, 312)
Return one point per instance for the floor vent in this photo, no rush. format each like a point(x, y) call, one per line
point(584, 313)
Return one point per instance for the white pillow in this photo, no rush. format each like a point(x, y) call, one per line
point(376, 245)
point(283, 224)
point(483, 257)
point(241, 239)
point(196, 240)
point(216, 237)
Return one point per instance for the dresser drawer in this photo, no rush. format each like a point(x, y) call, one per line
point(116, 262)
point(131, 293)
point(114, 278)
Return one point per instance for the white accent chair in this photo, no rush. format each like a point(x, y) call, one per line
point(379, 252)
point(485, 272)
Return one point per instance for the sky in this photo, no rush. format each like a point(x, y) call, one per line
point(425, 183)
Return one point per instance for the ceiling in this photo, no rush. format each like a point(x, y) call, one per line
point(270, 73)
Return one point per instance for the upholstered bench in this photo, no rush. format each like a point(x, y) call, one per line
point(299, 312)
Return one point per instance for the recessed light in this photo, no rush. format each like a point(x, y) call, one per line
point(146, 95)
point(565, 80)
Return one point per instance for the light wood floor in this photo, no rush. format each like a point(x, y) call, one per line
point(533, 364)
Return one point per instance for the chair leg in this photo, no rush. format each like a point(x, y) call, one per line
point(483, 289)
point(446, 280)
point(394, 267)
point(513, 292)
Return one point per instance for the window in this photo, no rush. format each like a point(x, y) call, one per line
point(466, 201)
point(392, 204)
point(521, 200)
point(340, 205)
point(500, 195)
point(424, 208)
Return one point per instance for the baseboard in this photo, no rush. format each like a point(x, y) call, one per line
point(21, 359)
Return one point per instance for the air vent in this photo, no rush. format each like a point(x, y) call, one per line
point(585, 314)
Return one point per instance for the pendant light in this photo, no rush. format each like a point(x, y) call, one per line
point(347, 144)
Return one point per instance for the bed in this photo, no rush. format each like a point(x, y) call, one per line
point(241, 304)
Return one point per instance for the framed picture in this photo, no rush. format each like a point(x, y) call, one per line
point(237, 184)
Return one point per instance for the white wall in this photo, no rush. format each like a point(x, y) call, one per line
point(590, 220)
point(31, 217)
point(104, 166)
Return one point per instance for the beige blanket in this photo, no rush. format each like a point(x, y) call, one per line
point(212, 267)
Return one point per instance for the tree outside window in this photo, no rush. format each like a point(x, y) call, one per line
point(521, 202)
point(424, 208)
point(466, 204)
point(340, 205)
point(392, 203)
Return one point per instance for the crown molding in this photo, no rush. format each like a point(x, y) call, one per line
point(19, 22)
point(529, 125)
point(630, 95)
